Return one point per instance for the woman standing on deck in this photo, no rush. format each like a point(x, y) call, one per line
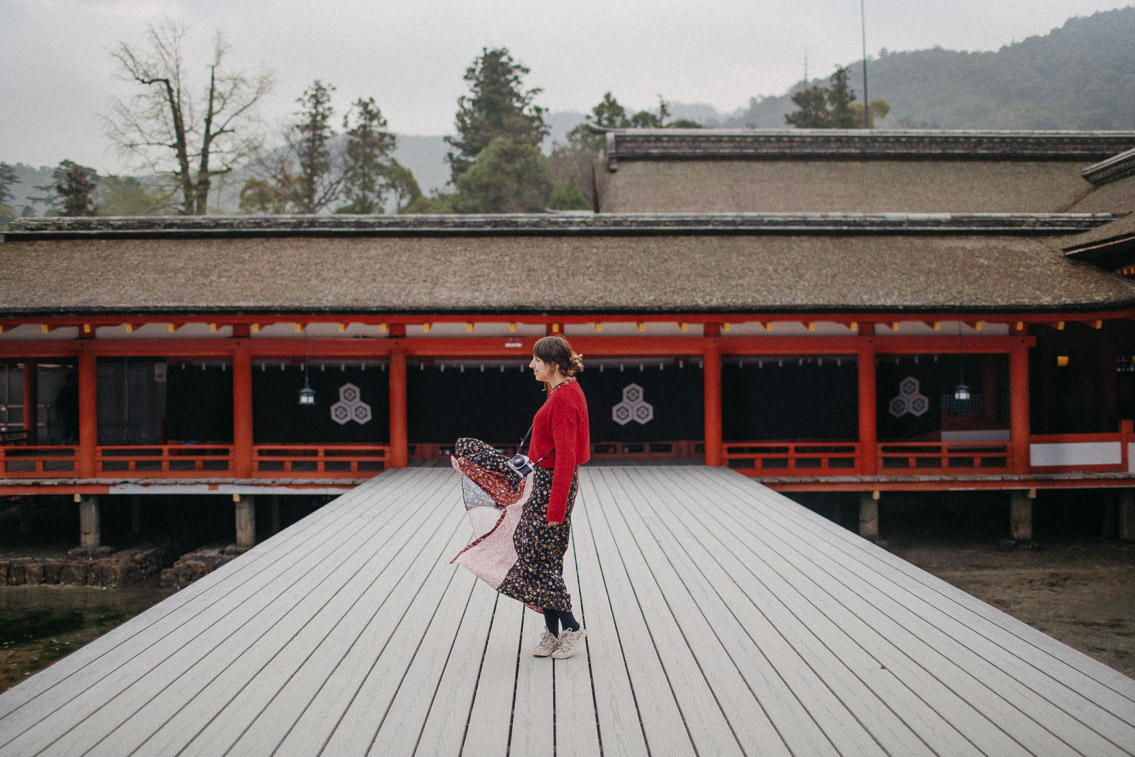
point(560, 442)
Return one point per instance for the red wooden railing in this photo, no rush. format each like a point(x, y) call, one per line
point(785, 458)
point(164, 460)
point(927, 457)
point(38, 462)
point(319, 460)
point(754, 458)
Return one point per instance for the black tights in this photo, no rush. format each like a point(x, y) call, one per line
point(553, 619)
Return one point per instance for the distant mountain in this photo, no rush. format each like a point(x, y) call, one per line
point(1080, 76)
point(24, 188)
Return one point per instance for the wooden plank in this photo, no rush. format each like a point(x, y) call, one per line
point(620, 731)
point(141, 654)
point(663, 723)
point(491, 713)
point(812, 655)
point(192, 662)
point(716, 641)
point(988, 719)
point(187, 601)
point(400, 727)
point(211, 719)
point(809, 690)
point(1069, 717)
point(1114, 691)
point(444, 728)
point(336, 644)
point(576, 731)
point(719, 614)
point(352, 698)
point(532, 708)
point(708, 727)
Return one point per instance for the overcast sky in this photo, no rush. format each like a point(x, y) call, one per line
point(56, 75)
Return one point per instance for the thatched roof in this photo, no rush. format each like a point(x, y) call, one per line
point(847, 186)
point(902, 264)
point(1111, 245)
point(855, 171)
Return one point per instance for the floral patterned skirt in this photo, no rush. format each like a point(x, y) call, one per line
point(521, 555)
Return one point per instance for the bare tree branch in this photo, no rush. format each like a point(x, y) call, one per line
point(169, 128)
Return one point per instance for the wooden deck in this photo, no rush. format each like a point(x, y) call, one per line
point(723, 619)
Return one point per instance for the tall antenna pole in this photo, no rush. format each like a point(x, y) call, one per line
point(866, 101)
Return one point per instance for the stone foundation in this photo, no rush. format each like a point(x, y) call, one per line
point(89, 567)
point(194, 565)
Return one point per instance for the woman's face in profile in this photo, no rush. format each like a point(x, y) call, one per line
point(544, 371)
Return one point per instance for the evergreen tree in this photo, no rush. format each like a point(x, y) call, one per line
point(832, 107)
point(644, 119)
point(75, 184)
point(365, 179)
point(509, 176)
point(840, 98)
point(569, 197)
point(317, 183)
point(497, 106)
point(129, 196)
point(7, 179)
point(402, 185)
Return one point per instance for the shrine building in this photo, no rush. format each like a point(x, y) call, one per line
point(843, 311)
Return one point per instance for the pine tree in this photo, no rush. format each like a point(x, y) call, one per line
point(497, 106)
point(75, 184)
point(317, 182)
point(365, 180)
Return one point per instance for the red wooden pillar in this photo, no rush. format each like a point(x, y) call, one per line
point(868, 423)
point(31, 401)
point(1019, 406)
point(713, 452)
point(242, 413)
point(399, 428)
point(88, 415)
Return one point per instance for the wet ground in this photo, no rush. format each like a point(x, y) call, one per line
point(1082, 593)
point(40, 624)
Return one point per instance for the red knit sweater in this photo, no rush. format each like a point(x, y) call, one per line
point(561, 424)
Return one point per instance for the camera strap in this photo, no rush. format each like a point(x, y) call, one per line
point(524, 441)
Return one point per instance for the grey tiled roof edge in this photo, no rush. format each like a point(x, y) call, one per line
point(861, 144)
point(555, 224)
point(1114, 168)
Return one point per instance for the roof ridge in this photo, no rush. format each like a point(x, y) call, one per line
point(583, 223)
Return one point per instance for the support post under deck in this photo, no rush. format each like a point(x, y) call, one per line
point(90, 535)
point(1021, 515)
point(245, 520)
point(869, 515)
point(1127, 515)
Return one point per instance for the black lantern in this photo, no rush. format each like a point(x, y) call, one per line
point(961, 391)
point(307, 394)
